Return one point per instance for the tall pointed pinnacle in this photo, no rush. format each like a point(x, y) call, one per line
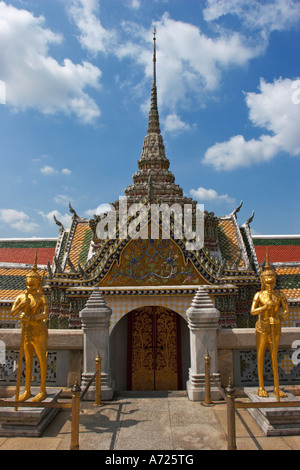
point(154, 181)
point(153, 122)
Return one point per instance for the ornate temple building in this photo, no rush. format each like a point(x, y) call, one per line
point(147, 282)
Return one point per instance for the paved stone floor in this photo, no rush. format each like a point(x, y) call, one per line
point(152, 421)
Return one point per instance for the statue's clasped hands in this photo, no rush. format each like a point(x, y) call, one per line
point(25, 317)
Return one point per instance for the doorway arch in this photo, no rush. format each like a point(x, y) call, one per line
point(150, 350)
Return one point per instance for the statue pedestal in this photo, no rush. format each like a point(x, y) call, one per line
point(27, 421)
point(275, 421)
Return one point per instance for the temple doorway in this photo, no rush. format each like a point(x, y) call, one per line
point(154, 359)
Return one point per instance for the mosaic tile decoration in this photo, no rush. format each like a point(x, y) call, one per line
point(121, 306)
point(280, 249)
point(152, 262)
point(80, 243)
point(12, 281)
point(293, 319)
point(6, 318)
point(228, 240)
point(23, 250)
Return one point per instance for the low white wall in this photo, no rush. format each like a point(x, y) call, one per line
point(57, 339)
point(244, 338)
point(70, 343)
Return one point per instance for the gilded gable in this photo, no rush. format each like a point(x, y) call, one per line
point(152, 262)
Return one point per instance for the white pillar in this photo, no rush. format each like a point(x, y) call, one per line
point(202, 319)
point(95, 319)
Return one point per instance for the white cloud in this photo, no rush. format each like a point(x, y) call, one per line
point(101, 209)
point(189, 63)
point(17, 220)
point(272, 109)
point(48, 170)
point(2, 92)
point(237, 152)
point(135, 4)
point(211, 195)
point(93, 36)
point(266, 15)
point(64, 219)
point(36, 80)
point(173, 123)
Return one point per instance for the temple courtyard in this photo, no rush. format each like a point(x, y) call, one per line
point(158, 421)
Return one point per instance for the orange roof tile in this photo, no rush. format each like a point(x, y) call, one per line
point(12, 281)
point(23, 250)
point(80, 243)
point(278, 253)
point(228, 240)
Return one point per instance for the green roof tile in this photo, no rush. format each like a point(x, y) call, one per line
point(12, 282)
point(275, 241)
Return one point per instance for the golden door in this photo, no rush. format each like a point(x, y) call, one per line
point(154, 356)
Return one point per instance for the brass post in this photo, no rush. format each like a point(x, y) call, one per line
point(20, 362)
point(98, 381)
point(207, 400)
point(231, 434)
point(75, 417)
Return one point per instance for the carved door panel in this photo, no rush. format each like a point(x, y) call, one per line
point(154, 349)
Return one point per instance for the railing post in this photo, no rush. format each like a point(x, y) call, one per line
point(207, 399)
point(98, 381)
point(231, 434)
point(75, 417)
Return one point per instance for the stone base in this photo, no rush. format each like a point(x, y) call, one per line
point(195, 388)
point(275, 421)
point(26, 421)
point(107, 387)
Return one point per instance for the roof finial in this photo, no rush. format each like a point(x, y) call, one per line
point(154, 56)
point(35, 261)
point(267, 265)
point(153, 124)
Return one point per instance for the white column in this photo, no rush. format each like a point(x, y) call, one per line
point(95, 319)
point(202, 319)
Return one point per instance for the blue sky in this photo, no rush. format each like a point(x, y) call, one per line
point(75, 81)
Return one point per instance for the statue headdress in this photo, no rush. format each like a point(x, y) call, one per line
point(34, 270)
point(268, 270)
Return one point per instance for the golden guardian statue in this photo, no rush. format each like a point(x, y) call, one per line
point(267, 305)
point(33, 308)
